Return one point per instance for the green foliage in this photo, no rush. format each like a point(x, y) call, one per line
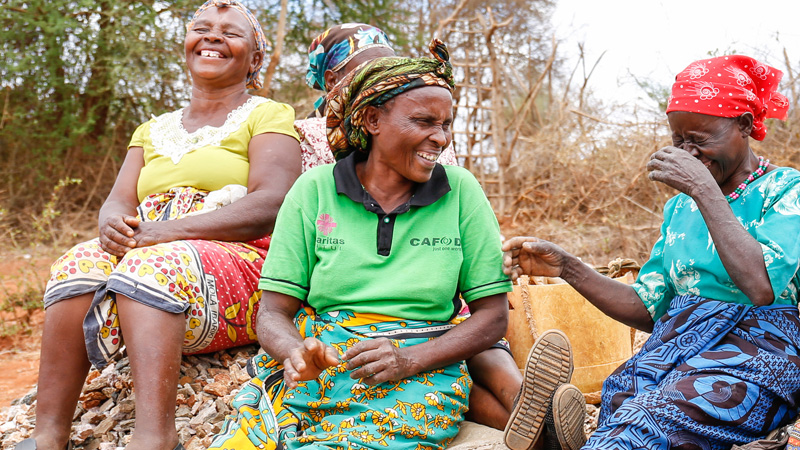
point(22, 305)
point(77, 77)
point(657, 92)
point(43, 223)
point(409, 24)
point(306, 20)
point(21, 299)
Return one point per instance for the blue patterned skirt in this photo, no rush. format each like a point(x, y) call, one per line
point(712, 374)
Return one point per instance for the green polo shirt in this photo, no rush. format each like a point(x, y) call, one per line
point(334, 248)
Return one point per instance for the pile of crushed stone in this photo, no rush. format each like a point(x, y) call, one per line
point(105, 415)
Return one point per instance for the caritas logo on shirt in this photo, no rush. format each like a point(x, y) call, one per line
point(325, 226)
point(437, 243)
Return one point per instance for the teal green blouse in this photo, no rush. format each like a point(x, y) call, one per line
point(684, 260)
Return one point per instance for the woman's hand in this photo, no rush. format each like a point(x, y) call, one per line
point(152, 233)
point(117, 234)
point(377, 360)
point(533, 257)
point(117, 222)
point(678, 169)
point(308, 361)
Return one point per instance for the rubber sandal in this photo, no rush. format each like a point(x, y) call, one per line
point(27, 444)
point(30, 444)
point(179, 447)
point(564, 419)
point(549, 365)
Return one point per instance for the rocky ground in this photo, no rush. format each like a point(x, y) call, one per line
point(105, 415)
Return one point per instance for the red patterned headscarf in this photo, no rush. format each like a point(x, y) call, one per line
point(729, 86)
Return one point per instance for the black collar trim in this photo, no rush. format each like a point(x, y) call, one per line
point(347, 183)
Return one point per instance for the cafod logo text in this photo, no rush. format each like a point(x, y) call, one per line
point(437, 243)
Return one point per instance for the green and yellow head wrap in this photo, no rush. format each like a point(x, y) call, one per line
point(373, 84)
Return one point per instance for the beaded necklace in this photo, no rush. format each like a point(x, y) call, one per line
point(762, 168)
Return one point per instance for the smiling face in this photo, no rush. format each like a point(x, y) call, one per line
point(409, 132)
point(720, 143)
point(220, 47)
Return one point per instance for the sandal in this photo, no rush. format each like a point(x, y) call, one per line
point(30, 444)
point(564, 419)
point(549, 366)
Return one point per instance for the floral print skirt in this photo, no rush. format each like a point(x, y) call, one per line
point(335, 411)
point(214, 284)
point(712, 374)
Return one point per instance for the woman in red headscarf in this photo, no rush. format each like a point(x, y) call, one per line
point(719, 292)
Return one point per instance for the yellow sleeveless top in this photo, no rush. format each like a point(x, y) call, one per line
point(210, 157)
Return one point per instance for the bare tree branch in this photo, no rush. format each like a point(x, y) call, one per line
point(275, 58)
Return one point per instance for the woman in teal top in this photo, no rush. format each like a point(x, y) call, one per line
point(719, 292)
point(685, 259)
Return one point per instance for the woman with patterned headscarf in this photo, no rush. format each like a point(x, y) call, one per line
point(331, 56)
point(364, 275)
point(337, 51)
point(719, 293)
point(183, 235)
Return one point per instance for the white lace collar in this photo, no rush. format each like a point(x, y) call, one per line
point(170, 139)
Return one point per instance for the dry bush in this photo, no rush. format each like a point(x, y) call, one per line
point(591, 197)
point(579, 180)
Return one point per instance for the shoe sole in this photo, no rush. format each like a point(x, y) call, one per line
point(30, 444)
point(569, 412)
point(549, 365)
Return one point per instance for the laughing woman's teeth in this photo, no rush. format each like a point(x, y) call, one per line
point(428, 156)
point(210, 54)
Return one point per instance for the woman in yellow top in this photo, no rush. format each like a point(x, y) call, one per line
point(183, 235)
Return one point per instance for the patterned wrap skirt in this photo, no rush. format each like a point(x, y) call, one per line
point(335, 411)
point(711, 375)
point(214, 284)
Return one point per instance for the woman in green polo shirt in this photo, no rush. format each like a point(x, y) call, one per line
point(364, 275)
point(332, 55)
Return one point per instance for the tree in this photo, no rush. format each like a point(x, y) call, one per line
point(77, 78)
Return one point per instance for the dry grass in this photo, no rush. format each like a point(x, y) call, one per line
point(593, 197)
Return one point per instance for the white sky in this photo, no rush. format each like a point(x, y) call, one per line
point(656, 39)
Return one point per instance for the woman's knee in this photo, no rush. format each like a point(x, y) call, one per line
point(86, 260)
point(76, 307)
point(63, 322)
point(167, 263)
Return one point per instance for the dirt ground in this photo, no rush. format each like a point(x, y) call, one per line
point(20, 330)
